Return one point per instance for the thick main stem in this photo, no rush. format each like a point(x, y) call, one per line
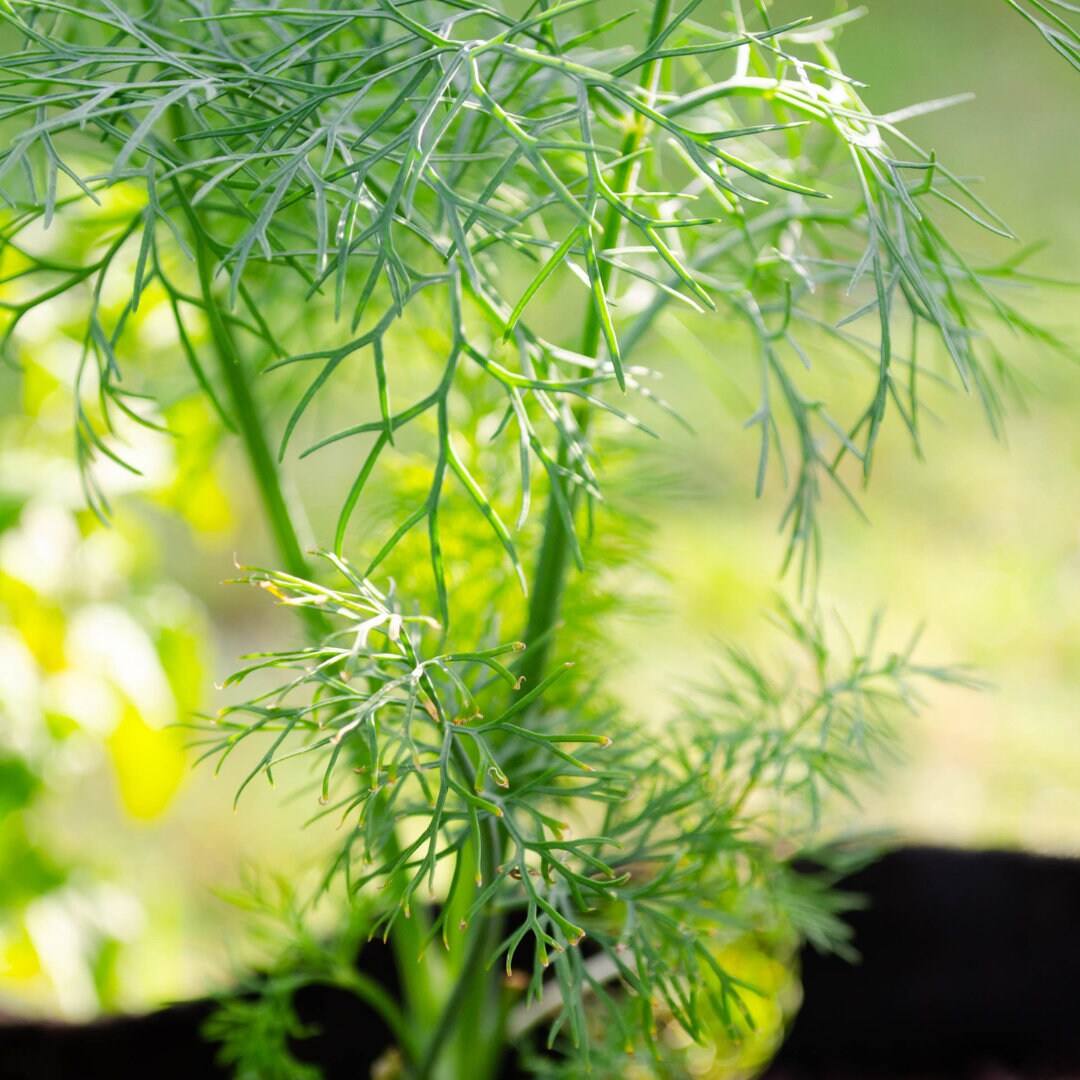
point(551, 569)
point(439, 1056)
point(245, 414)
point(250, 425)
point(554, 559)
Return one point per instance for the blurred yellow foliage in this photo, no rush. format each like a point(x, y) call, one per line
point(19, 960)
point(38, 385)
point(775, 984)
point(195, 492)
point(149, 764)
point(39, 623)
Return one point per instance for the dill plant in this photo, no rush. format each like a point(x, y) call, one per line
point(466, 224)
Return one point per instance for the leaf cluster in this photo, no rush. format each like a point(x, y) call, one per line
point(444, 770)
point(400, 163)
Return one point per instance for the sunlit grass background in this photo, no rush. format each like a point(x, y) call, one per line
point(981, 542)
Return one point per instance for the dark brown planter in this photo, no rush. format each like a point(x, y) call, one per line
point(970, 968)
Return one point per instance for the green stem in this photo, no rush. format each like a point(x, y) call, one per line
point(246, 416)
point(551, 568)
point(471, 1009)
point(420, 976)
point(469, 978)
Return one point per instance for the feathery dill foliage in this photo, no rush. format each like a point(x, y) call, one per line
point(386, 155)
point(569, 814)
point(306, 186)
point(1050, 18)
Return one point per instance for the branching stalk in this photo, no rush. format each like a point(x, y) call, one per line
point(554, 559)
point(245, 415)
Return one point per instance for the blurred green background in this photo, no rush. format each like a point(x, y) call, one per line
point(113, 850)
point(981, 541)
